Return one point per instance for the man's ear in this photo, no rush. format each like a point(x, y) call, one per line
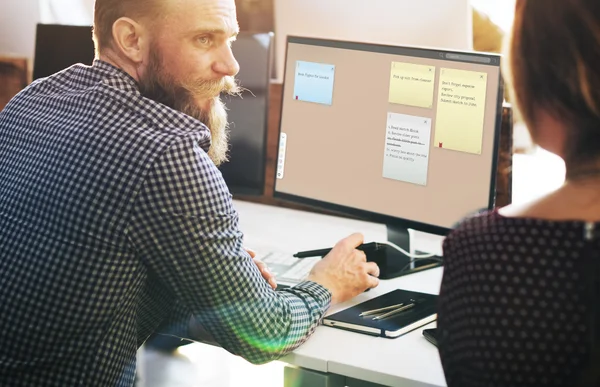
point(130, 39)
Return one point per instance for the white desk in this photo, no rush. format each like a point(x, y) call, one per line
point(407, 361)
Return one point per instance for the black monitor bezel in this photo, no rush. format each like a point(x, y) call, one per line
point(370, 215)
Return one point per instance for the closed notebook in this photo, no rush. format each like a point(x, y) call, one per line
point(422, 313)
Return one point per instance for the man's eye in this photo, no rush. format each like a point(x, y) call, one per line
point(204, 40)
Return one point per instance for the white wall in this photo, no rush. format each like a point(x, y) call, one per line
point(73, 12)
point(445, 24)
point(17, 27)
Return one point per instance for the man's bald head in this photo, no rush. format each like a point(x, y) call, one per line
point(178, 51)
point(107, 12)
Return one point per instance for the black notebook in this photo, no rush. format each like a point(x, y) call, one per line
point(422, 309)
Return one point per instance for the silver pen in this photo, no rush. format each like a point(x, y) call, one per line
point(376, 311)
point(393, 312)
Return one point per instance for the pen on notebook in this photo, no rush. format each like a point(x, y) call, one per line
point(393, 312)
point(375, 311)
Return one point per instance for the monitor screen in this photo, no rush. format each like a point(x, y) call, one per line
point(401, 135)
point(444, 24)
point(61, 46)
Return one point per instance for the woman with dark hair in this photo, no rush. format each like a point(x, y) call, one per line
point(518, 301)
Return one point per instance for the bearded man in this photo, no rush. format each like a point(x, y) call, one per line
point(115, 222)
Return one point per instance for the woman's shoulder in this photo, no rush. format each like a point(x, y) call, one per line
point(496, 225)
point(476, 222)
point(490, 225)
point(474, 228)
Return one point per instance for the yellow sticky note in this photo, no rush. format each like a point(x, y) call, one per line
point(412, 84)
point(460, 110)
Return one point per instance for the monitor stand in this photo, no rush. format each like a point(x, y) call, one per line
point(394, 264)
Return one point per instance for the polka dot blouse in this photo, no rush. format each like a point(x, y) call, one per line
point(513, 306)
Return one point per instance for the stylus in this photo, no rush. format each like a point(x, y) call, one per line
point(324, 252)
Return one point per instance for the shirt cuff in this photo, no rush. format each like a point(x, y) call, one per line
point(319, 292)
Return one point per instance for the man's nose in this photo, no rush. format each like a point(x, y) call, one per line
point(226, 65)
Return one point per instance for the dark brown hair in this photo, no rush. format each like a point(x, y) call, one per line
point(554, 66)
point(107, 12)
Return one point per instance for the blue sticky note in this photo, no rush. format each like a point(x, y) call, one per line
point(314, 82)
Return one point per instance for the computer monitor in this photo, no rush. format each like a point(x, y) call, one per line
point(248, 115)
point(444, 24)
point(404, 136)
point(61, 46)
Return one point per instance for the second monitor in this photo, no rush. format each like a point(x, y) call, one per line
point(398, 135)
point(248, 115)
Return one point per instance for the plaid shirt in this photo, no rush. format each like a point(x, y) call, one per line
point(114, 223)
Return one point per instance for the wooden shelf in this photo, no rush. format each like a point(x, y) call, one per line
point(14, 77)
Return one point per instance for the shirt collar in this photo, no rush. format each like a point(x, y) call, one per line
point(115, 76)
point(119, 79)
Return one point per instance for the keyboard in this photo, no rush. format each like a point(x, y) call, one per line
point(286, 268)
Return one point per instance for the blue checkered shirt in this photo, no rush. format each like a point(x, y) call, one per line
point(115, 224)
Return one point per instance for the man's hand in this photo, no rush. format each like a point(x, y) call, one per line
point(264, 270)
point(345, 271)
